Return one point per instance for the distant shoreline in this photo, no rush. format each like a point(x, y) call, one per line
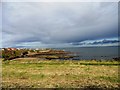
point(77, 53)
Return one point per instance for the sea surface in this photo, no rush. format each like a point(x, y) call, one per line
point(89, 53)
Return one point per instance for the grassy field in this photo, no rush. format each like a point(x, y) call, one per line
point(36, 73)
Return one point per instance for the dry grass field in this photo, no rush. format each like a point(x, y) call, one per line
point(36, 73)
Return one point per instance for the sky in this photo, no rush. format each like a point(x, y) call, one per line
point(59, 24)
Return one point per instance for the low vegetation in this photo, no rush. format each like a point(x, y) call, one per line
point(12, 53)
point(36, 73)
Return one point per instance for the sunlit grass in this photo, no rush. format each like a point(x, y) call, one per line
point(37, 73)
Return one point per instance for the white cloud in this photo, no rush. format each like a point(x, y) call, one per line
point(0, 24)
point(60, 0)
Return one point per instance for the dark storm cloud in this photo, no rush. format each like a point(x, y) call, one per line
point(48, 24)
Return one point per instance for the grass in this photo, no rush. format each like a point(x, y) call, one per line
point(35, 73)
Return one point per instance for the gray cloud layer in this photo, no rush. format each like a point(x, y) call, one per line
point(102, 42)
point(58, 23)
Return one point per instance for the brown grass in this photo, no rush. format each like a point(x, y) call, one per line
point(37, 73)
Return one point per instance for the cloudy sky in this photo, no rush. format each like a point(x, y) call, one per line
point(59, 24)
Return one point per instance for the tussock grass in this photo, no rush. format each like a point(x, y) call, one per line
point(35, 73)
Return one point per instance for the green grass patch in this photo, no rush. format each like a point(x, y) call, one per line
point(111, 79)
point(59, 73)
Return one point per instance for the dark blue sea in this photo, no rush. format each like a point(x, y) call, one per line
point(89, 53)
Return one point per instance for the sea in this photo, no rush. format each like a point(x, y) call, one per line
point(90, 53)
